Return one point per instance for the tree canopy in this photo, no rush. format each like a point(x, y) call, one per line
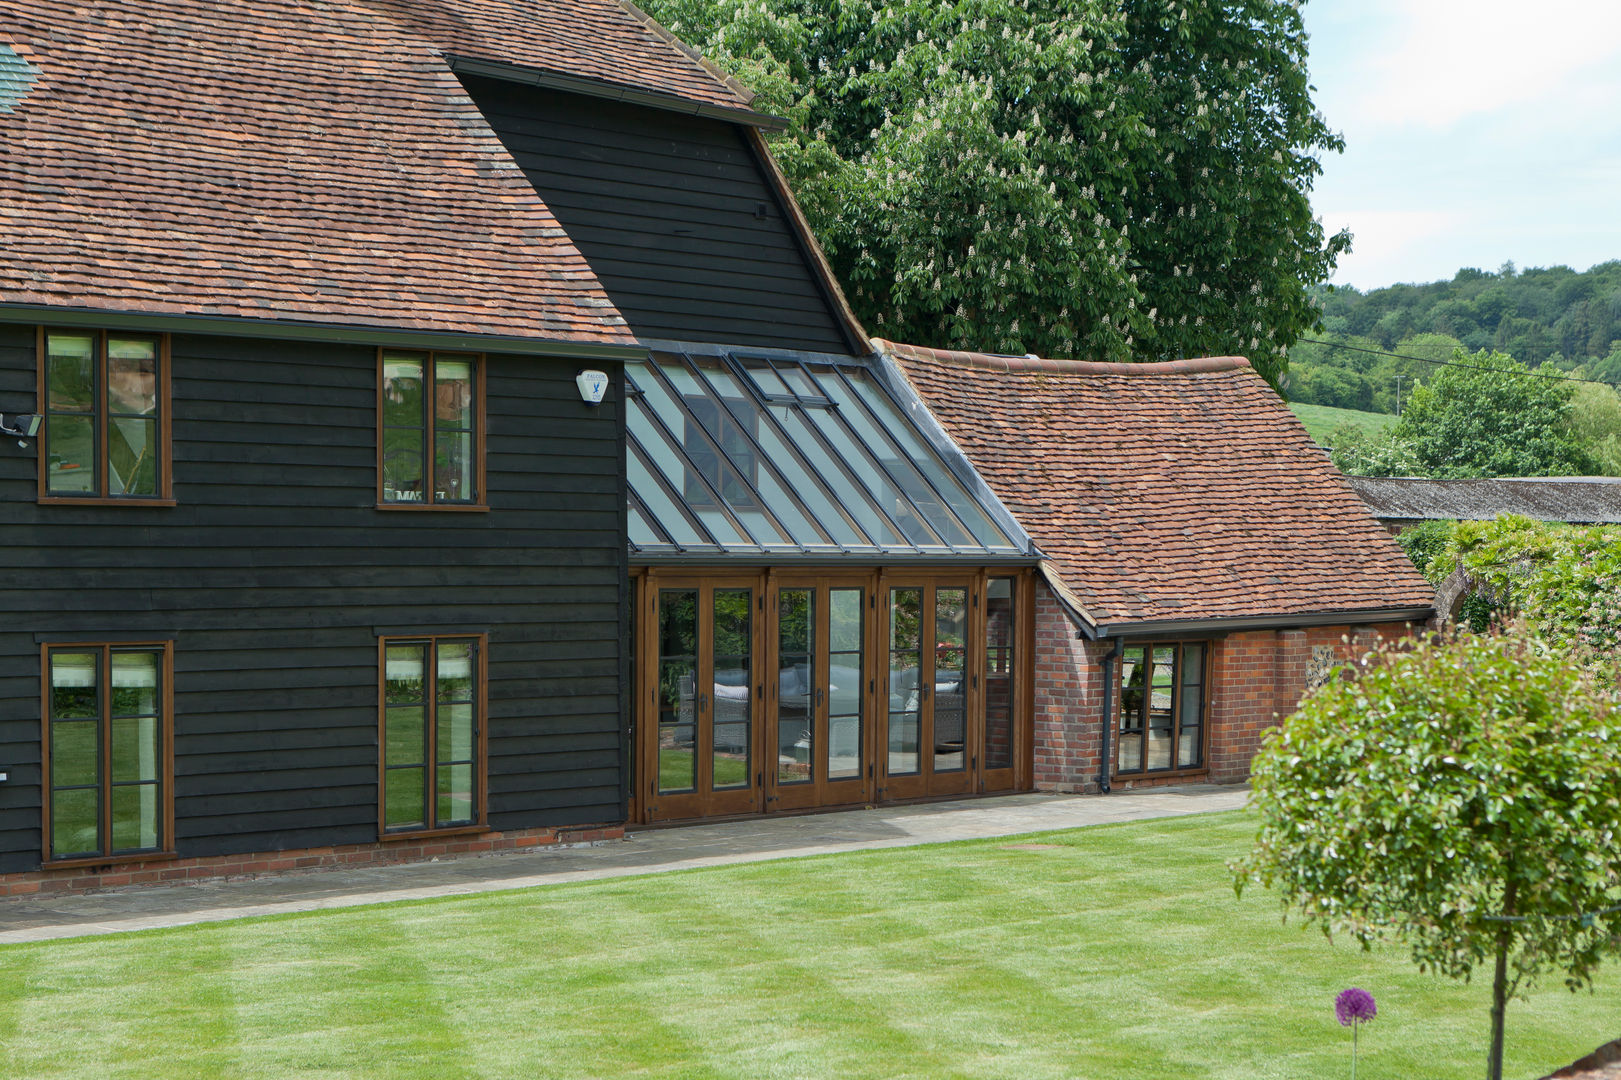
point(1114, 181)
point(1461, 795)
point(1487, 415)
point(1539, 315)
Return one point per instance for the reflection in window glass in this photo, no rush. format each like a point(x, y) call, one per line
point(102, 434)
point(999, 677)
point(846, 677)
point(430, 733)
point(105, 712)
point(950, 680)
point(905, 689)
point(1133, 676)
point(430, 428)
point(678, 690)
point(730, 709)
point(796, 685)
point(1161, 708)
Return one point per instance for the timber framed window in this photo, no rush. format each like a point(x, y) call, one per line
point(104, 397)
point(431, 742)
point(430, 430)
point(1161, 708)
point(108, 751)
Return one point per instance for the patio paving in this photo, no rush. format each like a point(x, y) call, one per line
point(644, 851)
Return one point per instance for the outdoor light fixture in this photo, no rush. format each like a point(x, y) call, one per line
point(24, 426)
point(592, 384)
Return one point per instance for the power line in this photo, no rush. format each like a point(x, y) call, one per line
point(1561, 377)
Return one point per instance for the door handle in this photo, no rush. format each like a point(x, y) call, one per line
point(818, 697)
point(703, 702)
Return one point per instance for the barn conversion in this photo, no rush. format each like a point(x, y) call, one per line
point(450, 438)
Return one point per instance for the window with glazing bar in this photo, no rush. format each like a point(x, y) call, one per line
point(430, 430)
point(107, 749)
point(1161, 708)
point(104, 399)
point(432, 740)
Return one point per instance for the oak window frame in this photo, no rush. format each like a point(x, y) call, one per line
point(430, 359)
point(100, 412)
point(430, 764)
point(1201, 765)
point(165, 847)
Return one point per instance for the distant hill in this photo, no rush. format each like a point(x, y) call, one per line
point(1551, 315)
point(1322, 419)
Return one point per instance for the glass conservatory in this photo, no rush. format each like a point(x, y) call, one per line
point(830, 606)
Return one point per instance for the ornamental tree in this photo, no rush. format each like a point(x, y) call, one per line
point(1461, 795)
point(1077, 178)
point(1493, 417)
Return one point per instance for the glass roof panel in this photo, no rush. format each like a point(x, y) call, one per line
point(750, 434)
point(881, 445)
point(709, 473)
point(641, 533)
point(852, 499)
point(739, 453)
point(928, 462)
point(675, 523)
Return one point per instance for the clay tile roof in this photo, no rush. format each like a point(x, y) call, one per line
point(1170, 491)
point(305, 160)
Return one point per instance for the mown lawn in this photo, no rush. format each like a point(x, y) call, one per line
point(1320, 420)
point(1118, 952)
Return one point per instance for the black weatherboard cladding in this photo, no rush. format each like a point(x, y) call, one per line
point(275, 570)
point(674, 215)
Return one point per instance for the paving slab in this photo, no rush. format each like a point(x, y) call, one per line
point(645, 851)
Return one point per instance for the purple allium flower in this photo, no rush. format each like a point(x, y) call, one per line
point(1354, 1005)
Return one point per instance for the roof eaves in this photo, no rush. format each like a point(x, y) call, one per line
point(609, 91)
point(289, 330)
point(1031, 364)
point(1237, 623)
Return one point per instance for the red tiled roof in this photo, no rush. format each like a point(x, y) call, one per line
point(1182, 490)
point(302, 160)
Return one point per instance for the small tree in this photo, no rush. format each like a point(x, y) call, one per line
point(1461, 795)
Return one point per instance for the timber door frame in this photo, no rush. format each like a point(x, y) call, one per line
point(926, 782)
point(821, 790)
point(702, 800)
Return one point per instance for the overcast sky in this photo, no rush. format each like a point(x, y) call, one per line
point(1476, 131)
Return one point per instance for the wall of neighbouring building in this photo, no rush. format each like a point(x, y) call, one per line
point(1257, 677)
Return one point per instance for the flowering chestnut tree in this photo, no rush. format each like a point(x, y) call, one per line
point(1460, 795)
point(1107, 180)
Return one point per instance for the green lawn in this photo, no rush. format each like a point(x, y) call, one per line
point(1118, 953)
point(1322, 419)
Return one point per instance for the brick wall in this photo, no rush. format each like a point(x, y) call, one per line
point(1256, 678)
point(1069, 695)
point(158, 872)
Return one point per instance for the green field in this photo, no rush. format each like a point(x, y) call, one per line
point(1096, 954)
point(1322, 419)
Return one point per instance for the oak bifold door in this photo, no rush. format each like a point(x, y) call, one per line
point(817, 714)
point(706, 762)
point(931, 742)
point(779, 691)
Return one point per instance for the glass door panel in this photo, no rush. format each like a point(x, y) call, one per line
point(1160, 708)
point(1188, 741)
point(846, 680)
point(796, 686)
point(1133, 676)
point(950, 680)
point(1000, 627)
point(678, 691)
point(906, 686)
point(730, 713)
